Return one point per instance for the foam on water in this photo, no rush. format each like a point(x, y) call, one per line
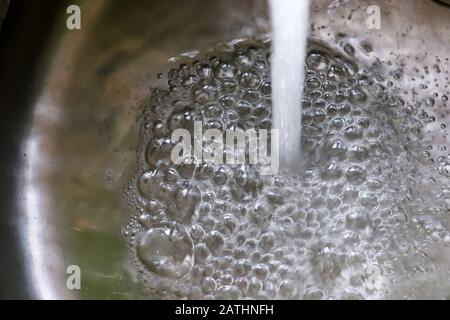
point(290, 31)
point(367, 217)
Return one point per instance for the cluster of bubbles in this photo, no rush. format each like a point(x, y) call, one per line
point(367, 209)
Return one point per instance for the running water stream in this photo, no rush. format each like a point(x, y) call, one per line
point(290, 32)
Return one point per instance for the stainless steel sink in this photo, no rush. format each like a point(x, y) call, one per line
point(70, 101)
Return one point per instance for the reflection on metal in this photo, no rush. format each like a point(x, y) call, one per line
point(443, 2)
point(4, 4)
point(82, 138)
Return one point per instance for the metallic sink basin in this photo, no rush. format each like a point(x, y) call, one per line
point(70, 100)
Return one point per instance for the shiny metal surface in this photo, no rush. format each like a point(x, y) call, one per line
point(78, 147)
point(444, 2)
point(83, 132)
point(4, 4)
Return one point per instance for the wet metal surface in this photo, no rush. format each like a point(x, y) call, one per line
point(68, 162)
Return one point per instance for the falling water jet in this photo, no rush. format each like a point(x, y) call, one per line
point(290, 32)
